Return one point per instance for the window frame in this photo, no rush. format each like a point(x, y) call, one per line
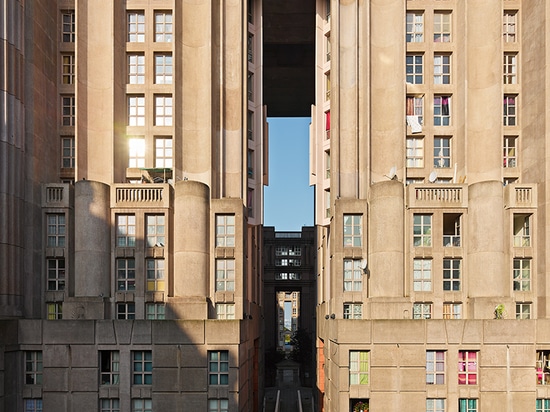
point(164, 110)
point(68, 26)
point(415, 152)
point(54, 310)
point(468, 367)
point(155, 311)
point(359, 367)
point(414, 68)
point(109, 404)
point(442, 110)
point(68, 110)
point(225, 230)
point(218, 405)
point(510, 110)
point(218, 368)
point(142, 367)
point(125, 310)
point(522, 274)
point(136, 110)
point(68, 68)
point(422, 310)
point(34, 367)
point(452, 310)
point(126, 274)
point(353, 310)
point(125, 230)
point(56, 230)
point(522, 229)
point(155, 231)
point(56, 274)
point(135, 26)
point(164, 152)
point(422, 275)
point(353, 275)
point(164, 69)
point(353, 229)
point(225, 275)
point(442, 152)
point(414, 26)
point(68, 147)
point(225, 311)
point(510, 68)
point(164, 28)
point(33, 404)
point(422, 230)
point(109, 367)
point(442, 26)
point(452, 275)
point(435, 367)
point(509, 148)
point(142, 405)
point(524, 310)
point(136, 68)
point(442, 68)
point(509, 26)
point(155, 269)
point(467, 405)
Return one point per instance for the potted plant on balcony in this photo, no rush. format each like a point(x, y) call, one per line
point(361, 407)
point(500, 312)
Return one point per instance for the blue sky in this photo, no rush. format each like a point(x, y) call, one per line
point(288, 200)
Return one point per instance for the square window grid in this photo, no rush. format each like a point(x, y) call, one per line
point(155, 311)
point(509, 22)
point(56, 274)
point(422, 275)
point(510, 68)
point(136, 69)
point(136, 27)
point(155, 275)
point(218, 367)
point(522, 230)
point(54, 310)
point(109, 367)
point(523, 310)
point(218, 405)
point(136, 152)
point(442, 27)
point(358, 367)
point(33, 405)
point(522, 274)
point(142, 367)
point(225, 311)
point(142, 405)
point(126, 230)
point(467, 367)
point(509, 151)
point(352, 230)
point(163, 27)
point(56, 229)
point(353, 275)
point(442, 110)
point(542, 367)
point(435, 405)
point(422, 230)
point(415, 27)
point(126, 274)
point(442, 69)
point(435, 367)
point(163, 68)
point(67, 68)
point(68, 111)
point(109, 405)
point(414, 68)
point(415, 152)
point(452, 310)
point(250, 86)
point(451, 274)
point(353, 311)
point(415, 108)
point(225, 230)
point(68, 152)
point(250, 48)
point(156, 230)
point(442, 152)
point(68, 26)
point(509, 110)
point(125, 311)
point(225, 275)
point(33, 368)
point(163, 111)
point(467, 405)
point(422, 310)
point(136, 110)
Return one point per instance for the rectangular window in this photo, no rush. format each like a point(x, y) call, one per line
point(67, 68)
point(422, 230)
point(543, 368)
point(55, 310)
point(352, 230)
point(56, 229)
point(163, 68)
point(328, 47)
point(142, 367)
point(415, 27)
point(33, 405)
point(67, 152)
point(250, 201)
point(422, 275)
point(452, 310)
point(422, 310)
point(225, 311)
point(415, 107)
point(156, 230)
point(126, 230)
point(218, 405)
point(56, 274)
point(509, 151)
point(33, 367)
point(415, 68)
point(435, 405)
point(467, 405)
point(451, 274)
point(155, 311)
point(109, 405)
point(523, 310)
point(509, 110)
point(442, 152)
point(225, 230)
point(327, 86)
point(142, 405)
point(510, 68)
point(415, 152)
point(155, 275)
point(136, 152)
point(353, 275)
point(327, 124)
point(353, 311)
point(109, 370)
point(163, 152)
point(442, 26)
point(467, 367)
point(163, 110)
point(543, 405)
point(522, 274)
point(126, 311)
point(250, 125)
point(136, 110)
point(126, 274)
point(225, 275)
point(136, 69)
point(327, 164)
point(136, 27)
point(509, 23)
point(522, 230)
point(218, 367)
point(358, 367)
point(442, 69)
point(451, 229)
point(250, 163)
point(250, 86)
point(250, 48)
point(68, 110)
point(68, 26)
point(442, 110)
point(435, 367)
point(163, 26)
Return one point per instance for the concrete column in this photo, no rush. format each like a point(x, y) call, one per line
point(92, 255)
point(191, 239)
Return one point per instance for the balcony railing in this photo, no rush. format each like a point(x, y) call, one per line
point(55, 195)
point(140, 195)
point(437, 195)
point(520, 195)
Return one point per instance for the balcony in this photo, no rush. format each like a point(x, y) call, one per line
point(56, 195)
point(520, 196)
point(434, 195)
point(145, 195)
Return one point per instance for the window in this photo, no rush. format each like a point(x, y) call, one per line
point(328, 47)
point(218, 367)
point(126, 311)
point(422, 275)
point(250, 47)
point(327, 164)
point(250, 125)
point(67, 152)
point(225, 311)
point(451, 229)
point(415, 152)
point(509, 110)
point(163, 68)
point(225, 275)
point(250, 86)
point(55, 310)
point(358, 367)
point(136, 27)
point(56, 229)
point(67, 68)
point(353, 311)
point(422, 310)
point(68, 110)
point(126, 274)
point(155, 275)
point(543, 368)
point(327, 86)
point(218, 405)
point(522, 231)
point(435, 367)
point(225, 230)
point(33, 367)
point(163, 26)
point(510, 68)
point(136, 110)
point(136, 69)
point(452, 310)
point(523, 310)
point(435, 405)
point(109, 405)
point(327, 124)
point(33, 405)
point(415, 68)
point(142, 367)
point(250, 202)
point(442, 152)
point(352, 230)
point(142, 405)
point(163, 110)
point(155, 230)
point(522, 274)
point(68, 26)
point(467, 405)
point(250, 163)
point(442, 26)
point(250, 11)
point(327, 10)
point(442, 69)
point(353, 275)
point(126, 230)
point(136, 152)
point(542, 405)
point(442, 110)
point(415, 27)
point(163, 152)
point(288, 276)
point(467, 368)
point(56, 274)
point(422, 230)
point(327, 204)
point(509, 23)
point(509, 151)
point(109, 361)
point(451, 274)
point(155, 311)
point(415, 107)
